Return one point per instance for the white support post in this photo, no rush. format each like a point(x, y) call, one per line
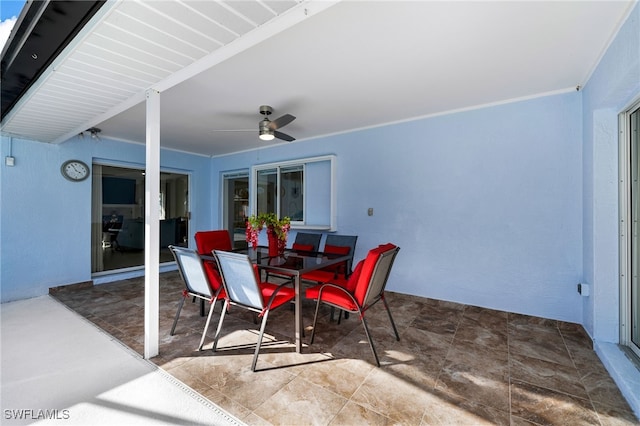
point(152, 228)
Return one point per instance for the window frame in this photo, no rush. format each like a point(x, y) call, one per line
point(625, 224)
point(227, 198)
point(303, 162)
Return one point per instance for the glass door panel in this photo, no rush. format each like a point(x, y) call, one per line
point(291, 193)
point(267, 185)
point(236, 206)
point(118, 216)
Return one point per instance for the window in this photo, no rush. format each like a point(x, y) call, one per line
point(302, 189)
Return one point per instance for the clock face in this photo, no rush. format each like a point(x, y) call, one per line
point(75, 170)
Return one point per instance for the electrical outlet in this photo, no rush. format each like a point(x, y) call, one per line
point(370, 211)
point(10, 161)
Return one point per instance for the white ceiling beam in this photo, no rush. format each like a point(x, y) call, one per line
point(288, 19)
point(280, 23)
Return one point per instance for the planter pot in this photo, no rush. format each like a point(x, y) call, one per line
point(276, 246)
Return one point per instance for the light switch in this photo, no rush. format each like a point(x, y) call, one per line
point(583, 289)
point(10, 161)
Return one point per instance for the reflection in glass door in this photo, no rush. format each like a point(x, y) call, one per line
point(235, 206)
point(117, 239)
point(291, 193)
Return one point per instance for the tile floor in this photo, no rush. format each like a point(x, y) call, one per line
point(454, 364)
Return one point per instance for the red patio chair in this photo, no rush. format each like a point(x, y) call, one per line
point(336, 274)
point(338, 245)
point(364, 289)
point(206, 243)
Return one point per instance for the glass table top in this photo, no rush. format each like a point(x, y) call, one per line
point(293, 261)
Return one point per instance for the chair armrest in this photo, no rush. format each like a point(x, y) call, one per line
point(334, 285)
point(274, 295)
point(339, 289)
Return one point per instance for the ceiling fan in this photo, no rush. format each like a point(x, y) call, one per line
point(267, 129)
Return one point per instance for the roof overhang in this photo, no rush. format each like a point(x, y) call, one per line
point(42, 31)
point(119, 50)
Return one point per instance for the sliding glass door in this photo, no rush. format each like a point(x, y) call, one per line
point(118, 216)
point(630, 229)
point(634, 290)
point(235, 206)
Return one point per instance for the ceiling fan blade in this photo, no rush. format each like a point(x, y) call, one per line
point(281, 122)
point(283, 136)
point(233, 130)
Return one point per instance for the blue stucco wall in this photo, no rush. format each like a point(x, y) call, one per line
point(486, 204)
point(612, 87)
point(45, 220)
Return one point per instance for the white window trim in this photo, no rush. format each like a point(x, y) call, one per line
point(333, 225)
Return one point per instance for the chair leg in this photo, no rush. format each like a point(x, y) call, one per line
point(262, 327)
point(315, 321)
point(340, 312)
point(175, 320)
point(373, 349)
point(224, 311)
point(206, 325)
point(393, 324)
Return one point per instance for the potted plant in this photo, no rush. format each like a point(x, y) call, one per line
point(277, 231)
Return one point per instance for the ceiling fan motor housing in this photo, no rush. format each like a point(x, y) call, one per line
point(264, 125)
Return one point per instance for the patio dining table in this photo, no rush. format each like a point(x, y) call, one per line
point(295, 264)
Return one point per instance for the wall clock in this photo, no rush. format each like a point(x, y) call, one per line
point(75, 170)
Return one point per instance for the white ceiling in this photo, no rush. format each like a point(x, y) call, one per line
point(336, 67)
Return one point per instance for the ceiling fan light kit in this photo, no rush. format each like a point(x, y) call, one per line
point(266, 136)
